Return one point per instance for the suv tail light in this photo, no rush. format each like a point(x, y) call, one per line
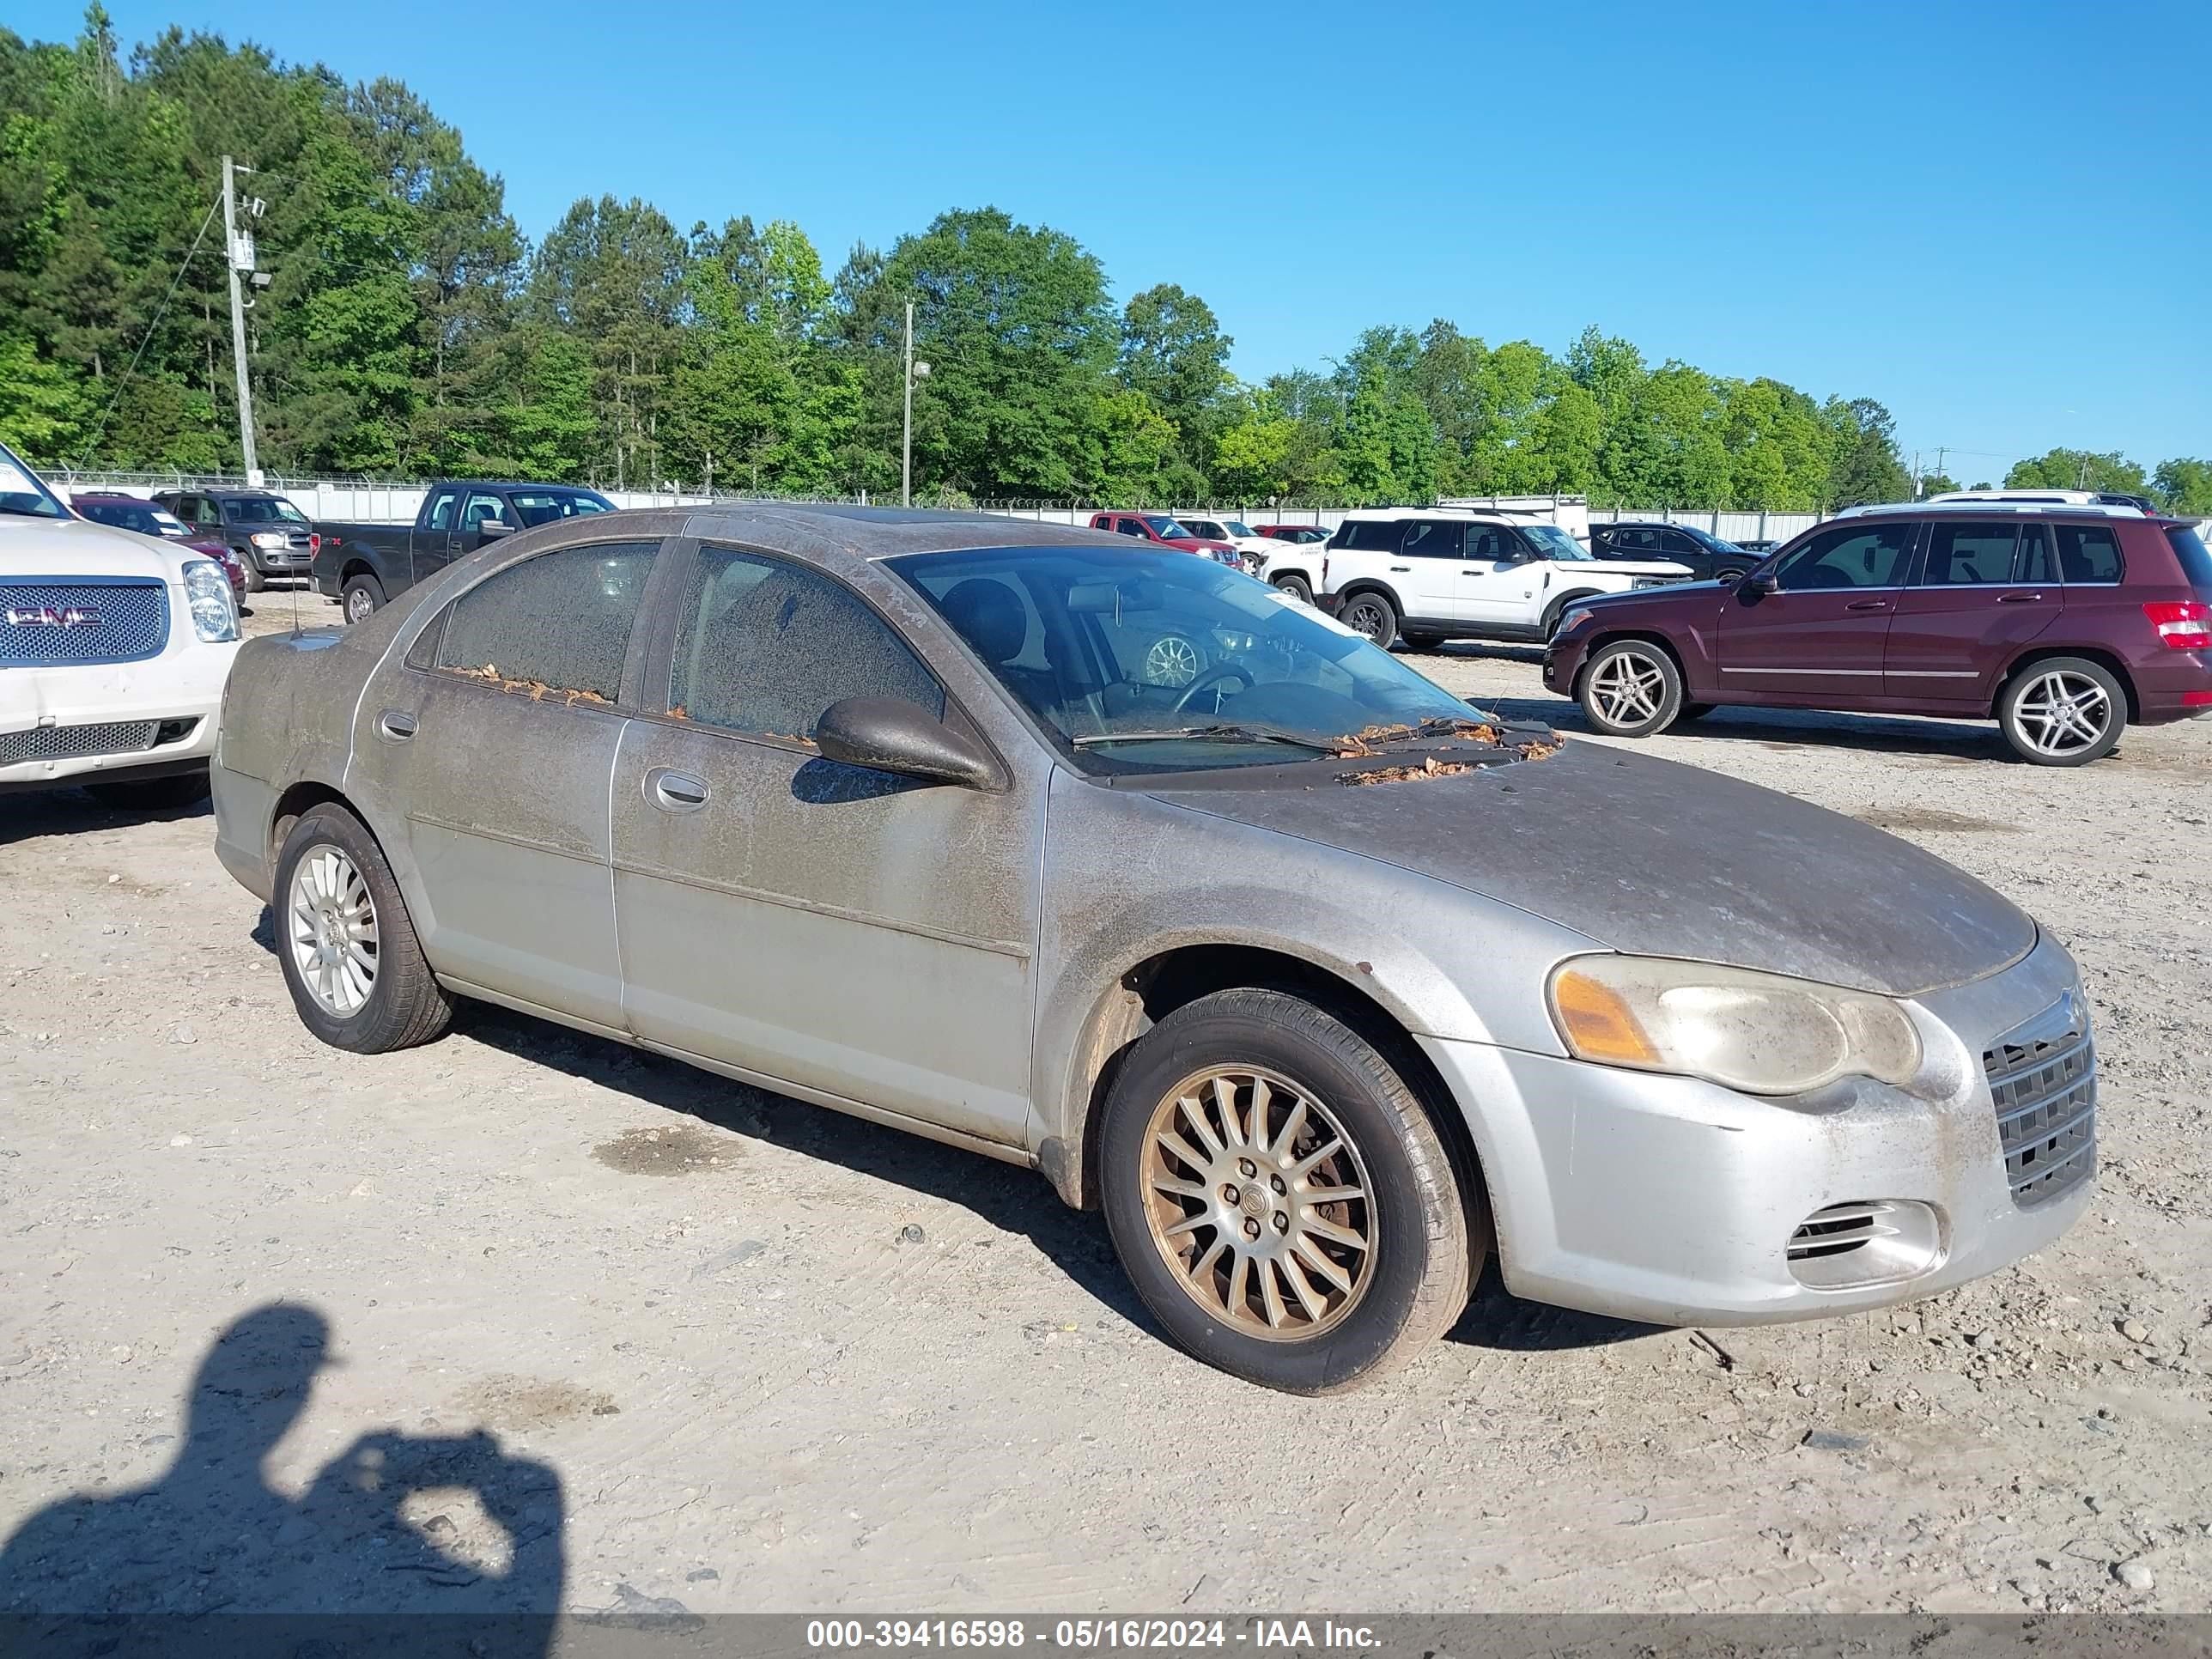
point(2183, 625)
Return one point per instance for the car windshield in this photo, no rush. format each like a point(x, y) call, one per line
point(1553, 543)
point(1238, 527)
point(262, 509)
point(538, 506)
point(21, 492)
point(1710, 542)
point(1146, 662)
point(1167, 528)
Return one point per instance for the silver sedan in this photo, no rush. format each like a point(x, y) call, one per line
point(1324, 985)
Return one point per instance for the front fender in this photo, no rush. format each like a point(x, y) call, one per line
point(1129, 877)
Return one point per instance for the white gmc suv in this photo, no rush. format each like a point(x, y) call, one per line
point(113, 650)
point(1432, 574)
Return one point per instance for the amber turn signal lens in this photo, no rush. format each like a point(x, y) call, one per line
point(1597, 1024)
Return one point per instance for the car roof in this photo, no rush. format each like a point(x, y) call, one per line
point(1987, 507)
point(1470, 514)
point(107, 495)
point(506, 484)
point(883, 532)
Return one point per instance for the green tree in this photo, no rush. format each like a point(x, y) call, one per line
point(2184, 486)
point(1174, 353)
point(2078, 469)
point(43, 406)
point(1864, 465)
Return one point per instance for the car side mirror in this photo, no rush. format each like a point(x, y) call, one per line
point(1757, 586)
point(890, 734)
point(494, 527)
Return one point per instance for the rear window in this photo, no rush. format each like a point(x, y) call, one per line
point(562, 620)
point(2188, 548)
point(1368, 535)
point(2087, 553)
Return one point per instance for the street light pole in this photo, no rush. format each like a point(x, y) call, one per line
point(913, 372)
point(230, 249)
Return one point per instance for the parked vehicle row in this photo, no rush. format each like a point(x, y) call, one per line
point(1706, 556)
point(364, 565)
point(143, 518)
point(114, 649)
point(1164, 530)
point(2063, 623)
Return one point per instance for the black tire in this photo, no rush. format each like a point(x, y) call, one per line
point(1731, 577)
point(1371, 613)
point(1423, 1233)
point(1296, 586)
point(2089, 686)
point(255, 582)
point(1694, 711)
point(1605, 689)
point(405, 1005)
point(151, 794)
point(1424, 642)
point(362, 599)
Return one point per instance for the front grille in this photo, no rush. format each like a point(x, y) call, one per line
point(70, 742)
point(2042, 1078)
point(81, 621)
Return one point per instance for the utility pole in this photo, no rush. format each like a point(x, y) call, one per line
point(232, 262)
point(906, 439)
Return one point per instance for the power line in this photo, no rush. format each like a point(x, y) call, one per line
point(101, 431)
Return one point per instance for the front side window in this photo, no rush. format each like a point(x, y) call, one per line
point(2087, 554)
point(1152, 662)
point(560, 621)
point(1130, 527)
point(1969, 555)
point(482, 510)
point(766, 645)
point(1850, 556)
point(1426, 538)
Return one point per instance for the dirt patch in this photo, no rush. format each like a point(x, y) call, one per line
point(531, 1402)
point(686, 1149)
point(1933, 817)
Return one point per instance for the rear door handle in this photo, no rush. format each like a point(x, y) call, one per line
point(1867, 605)
point(395, 726)
point(2018, 598)
point(1400, 569)
point(676, 792)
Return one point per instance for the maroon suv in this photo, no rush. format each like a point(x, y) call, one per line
point(2063, 625)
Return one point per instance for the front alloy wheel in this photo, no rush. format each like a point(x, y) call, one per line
point(1632, 690)
point(1258, 1201)
point(1280, 1198)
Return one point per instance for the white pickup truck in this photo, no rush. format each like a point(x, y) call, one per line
point(114, 649)
point(1435, 573)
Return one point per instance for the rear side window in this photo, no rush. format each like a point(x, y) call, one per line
point(2196, 560)
point(1426, 540)
point(1969, 555)
point(1368, 535)
point(2087, 553)
point(562, 621)
point(766, 645)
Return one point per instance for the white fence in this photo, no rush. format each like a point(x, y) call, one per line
point(357, 502)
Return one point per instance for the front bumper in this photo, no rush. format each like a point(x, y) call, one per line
point(1673, 1201)
point(46, 707)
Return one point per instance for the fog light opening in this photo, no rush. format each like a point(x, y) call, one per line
point(1882, 1241)
point(175, 731)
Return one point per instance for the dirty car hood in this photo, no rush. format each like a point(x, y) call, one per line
point(1660, 859)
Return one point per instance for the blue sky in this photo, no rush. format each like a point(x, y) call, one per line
point(1996, 218)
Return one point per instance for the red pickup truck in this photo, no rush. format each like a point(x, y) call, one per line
point(1167, 533)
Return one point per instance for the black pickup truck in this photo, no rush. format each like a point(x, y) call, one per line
point(362, 565)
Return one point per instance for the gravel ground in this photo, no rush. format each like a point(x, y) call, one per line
point(611, 1333)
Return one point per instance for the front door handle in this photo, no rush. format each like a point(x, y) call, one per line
point(1400, 569)
point(1867, 605)
point(2018, 598)
point(395, 726)
point(676, 792)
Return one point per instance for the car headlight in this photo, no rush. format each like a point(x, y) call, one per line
point(268, 538)
point(1640, 582)
point(207, 591)
point(1764, 1033)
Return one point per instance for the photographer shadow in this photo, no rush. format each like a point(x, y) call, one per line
point(398, 1524)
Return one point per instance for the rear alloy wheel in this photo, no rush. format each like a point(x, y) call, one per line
point(1278, 1197)
point(2063, 711)
point(363, 594)
point(1296, 587)
point(345, 941)
point(1630, 689)
point(1372, 615)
